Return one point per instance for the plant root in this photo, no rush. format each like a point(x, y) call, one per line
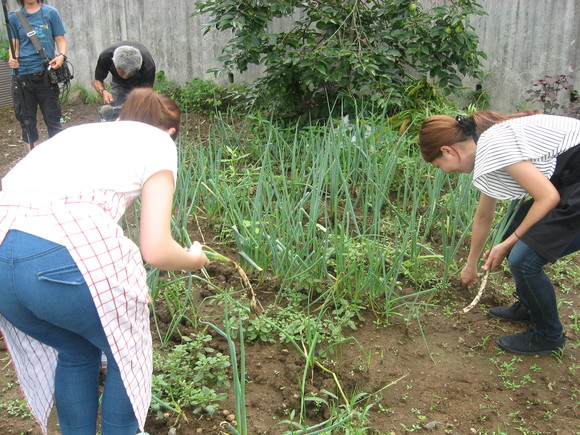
point(255, 305)
point(478, 295)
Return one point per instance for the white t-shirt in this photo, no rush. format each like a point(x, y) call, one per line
point(114, 156)
point(537, 138)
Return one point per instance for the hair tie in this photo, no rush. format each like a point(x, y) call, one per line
point(468, 125)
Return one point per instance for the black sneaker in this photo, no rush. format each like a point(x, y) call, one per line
point(530, 343)
point(518, 312)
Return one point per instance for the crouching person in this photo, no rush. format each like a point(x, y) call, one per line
point(72, 285)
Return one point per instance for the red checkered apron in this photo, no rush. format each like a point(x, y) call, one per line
point(113, 269)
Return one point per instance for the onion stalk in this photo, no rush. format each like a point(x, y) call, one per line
point(255, 305)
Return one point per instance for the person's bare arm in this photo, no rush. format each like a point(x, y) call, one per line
point(481, 227)
point(57, 61)
point(13, 61)
point(158, 247)
point(546, 197)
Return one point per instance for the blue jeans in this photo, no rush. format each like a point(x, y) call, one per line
point(43, 293)
point(535, 288)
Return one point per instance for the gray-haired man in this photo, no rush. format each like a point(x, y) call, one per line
point(131, 66)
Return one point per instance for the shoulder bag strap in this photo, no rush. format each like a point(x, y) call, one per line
point(32, 35)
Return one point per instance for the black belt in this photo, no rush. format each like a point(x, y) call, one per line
point(33, 75)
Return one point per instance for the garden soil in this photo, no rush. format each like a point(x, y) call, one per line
point(441, 372)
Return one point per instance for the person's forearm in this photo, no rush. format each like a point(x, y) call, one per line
point(60, 44)
point(546, 197)
point(170, 255)
point(16, 47)
point(100, 88)
point(538, 210)
point(157, 245)
point(481, 227)
point(98, 85)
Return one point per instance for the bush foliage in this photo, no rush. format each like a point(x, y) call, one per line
point(201, 96)
point(347, 50)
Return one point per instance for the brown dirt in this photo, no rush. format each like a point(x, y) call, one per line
point(445, 373)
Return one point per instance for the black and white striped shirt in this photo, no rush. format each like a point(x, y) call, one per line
point(537, 138)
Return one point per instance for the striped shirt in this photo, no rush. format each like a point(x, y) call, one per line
point(537, 138)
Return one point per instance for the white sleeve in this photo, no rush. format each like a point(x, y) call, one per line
point(162, 156)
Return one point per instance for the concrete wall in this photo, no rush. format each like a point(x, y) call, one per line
point(524, 40)
point(174, 37)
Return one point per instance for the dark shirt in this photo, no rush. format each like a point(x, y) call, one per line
point(142, 78)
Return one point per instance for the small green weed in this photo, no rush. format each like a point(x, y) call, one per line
point(190, 375)
point(88, 97)
point(575, 317)
point(350, 417)
point(17, 408)
point(201, 96)
point(506, 373)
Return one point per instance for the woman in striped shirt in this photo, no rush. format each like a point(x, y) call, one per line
point(514, 156)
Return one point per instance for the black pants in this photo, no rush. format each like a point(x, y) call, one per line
point(31, 92)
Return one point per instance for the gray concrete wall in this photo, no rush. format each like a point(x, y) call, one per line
point(524, 40)
point(174, 37)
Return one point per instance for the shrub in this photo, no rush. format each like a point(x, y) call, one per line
point(549, 92)
point(201, 96)
point(348, 49)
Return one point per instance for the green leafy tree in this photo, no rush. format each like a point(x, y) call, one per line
point(348, 49)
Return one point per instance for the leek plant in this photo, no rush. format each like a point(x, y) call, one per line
point(342, 213)
point(346, 207)
point(238, 374)
point(459, 205)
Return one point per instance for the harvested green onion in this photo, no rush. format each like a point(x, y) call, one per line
point(255, 305)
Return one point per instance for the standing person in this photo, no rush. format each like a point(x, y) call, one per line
point(515, 156)
point(72, 285)
point(131, 66)
point(32, 88)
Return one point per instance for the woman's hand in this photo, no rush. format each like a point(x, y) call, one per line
point(469, 276)
point(497, 254)
point(200, 257)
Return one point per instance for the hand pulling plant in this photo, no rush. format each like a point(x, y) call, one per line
point(255, 305)
point(498, 233)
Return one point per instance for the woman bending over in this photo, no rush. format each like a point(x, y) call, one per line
point(516, 156)
point(72, 285)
